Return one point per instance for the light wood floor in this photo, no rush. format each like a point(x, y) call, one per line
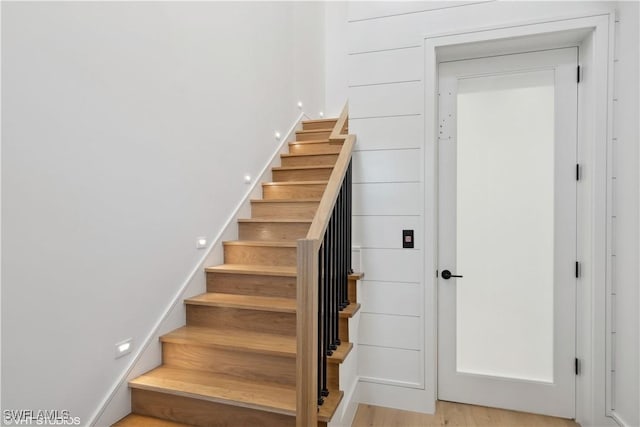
point(454, 414)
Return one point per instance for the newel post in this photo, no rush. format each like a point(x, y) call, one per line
point(307, 333)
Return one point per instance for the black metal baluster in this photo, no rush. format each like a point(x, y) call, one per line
point(329, 334)
point(338, 213)
point(334, 267)
point(336, 275)
point(345, 249)
point(349, 220)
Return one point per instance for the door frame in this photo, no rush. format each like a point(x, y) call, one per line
point(593, 34)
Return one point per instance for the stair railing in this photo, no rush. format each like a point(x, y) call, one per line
point(324, 264)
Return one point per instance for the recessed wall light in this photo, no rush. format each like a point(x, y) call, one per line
point(201, 242)
point(123, 348)
point(277, 135)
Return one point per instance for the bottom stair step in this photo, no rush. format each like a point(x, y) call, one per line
point(220, 388)
point(190, 397)
point(134, 420)
point(329, 406)
point(203, 413)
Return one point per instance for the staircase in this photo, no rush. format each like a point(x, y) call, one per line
point(234, 363)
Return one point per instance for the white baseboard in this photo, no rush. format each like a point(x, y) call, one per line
point(619, 420)
point(117, 403)
point(347, 409)
point(393, 396)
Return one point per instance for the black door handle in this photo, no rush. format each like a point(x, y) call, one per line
point(446, 275)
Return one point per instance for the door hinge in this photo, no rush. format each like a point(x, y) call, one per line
point(578, 74)
point(577, 366)
point(577, 171)
point(577, 269)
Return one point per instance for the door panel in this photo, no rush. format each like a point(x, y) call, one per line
point(507, 200)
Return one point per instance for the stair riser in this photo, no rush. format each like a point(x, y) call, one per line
point(313, 136)
point(325, 159)
point(324, 125)
point(294, 210)
point(299, 191)
point(240, 319)
point(199, 413)
point(333, 376)
point(242, 364)
point(247, 284)
point(343, 329)
point(272, 231)
point(260, 255)
point(325, 148)
point(320, 174)
point(352, 290)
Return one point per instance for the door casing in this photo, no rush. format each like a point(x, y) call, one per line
point(593, 35)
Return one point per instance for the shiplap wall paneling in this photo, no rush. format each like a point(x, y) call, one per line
point(400, 31)
point(387, 198)
point(391, 364)
point(389, 99)
point(358, 11)
point(408, 30)
point(400, 65)
point(384, 330)
point(384, 133)
point(382, 39)
point(392, 298)
point(385, 232)
point(392, 265)
point(387, 166)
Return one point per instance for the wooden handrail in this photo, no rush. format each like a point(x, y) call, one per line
point(307, 282)
point(323, 214)
point(337, 134)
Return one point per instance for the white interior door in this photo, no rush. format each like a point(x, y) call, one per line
point(507, 224)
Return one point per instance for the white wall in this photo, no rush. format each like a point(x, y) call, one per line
point(335, 33)
point(385, 67)
point(127, 130)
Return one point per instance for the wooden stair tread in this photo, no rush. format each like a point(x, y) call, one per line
point(307, 154)
point(264, 270)
point(314, 141)
point(247, 302)
point(293, 168)
point(341, 353)
point(350, 310)
point(285, 200)
point(356, 276)
point(320, 120)
point(296, 183)
point(278, 220)
point(306, 131)
point(220, 388)
point(265, 243)
point(242, 340)
point(135, 420)
point(331, 402)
